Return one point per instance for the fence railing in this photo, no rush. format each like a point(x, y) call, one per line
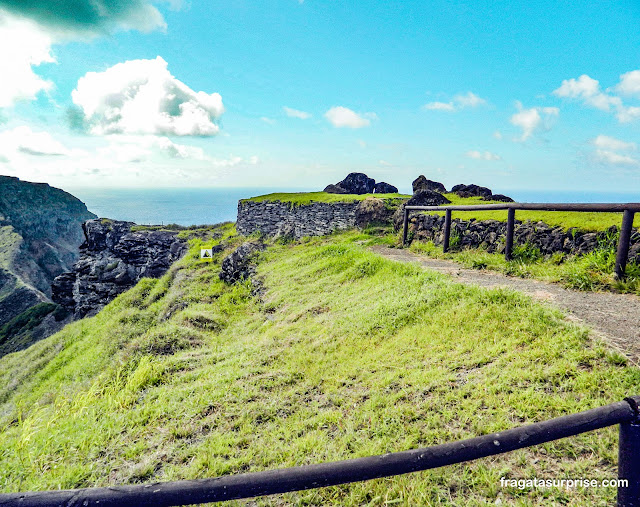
point(628, 210)
point(233, 487)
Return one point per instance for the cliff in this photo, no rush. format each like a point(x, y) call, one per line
point(113, 258)
point(40, 232)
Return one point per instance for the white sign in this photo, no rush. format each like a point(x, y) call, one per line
point(206, 253)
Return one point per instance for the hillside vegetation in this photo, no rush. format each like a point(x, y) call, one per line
point(335, 353)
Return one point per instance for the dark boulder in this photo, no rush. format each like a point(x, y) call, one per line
point(471, 191)
point(237, 265)
point(358, 183)
point(334, 189)
point(498, 197)
point(421, 198)
point(427, 198)
point(384, 188)
point(422, 183)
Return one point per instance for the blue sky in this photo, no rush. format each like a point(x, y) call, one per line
point(297, 94)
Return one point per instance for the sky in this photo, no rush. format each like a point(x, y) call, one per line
point(298, 93)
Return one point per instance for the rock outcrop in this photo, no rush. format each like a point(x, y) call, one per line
point(478, 191)
point(422, 183)
point(420, 198)
point(114, 258)
point(237, 265)
point(384, 188)
point(471, 191)
point(360, 183)
point(40, 232)
point(334, 189)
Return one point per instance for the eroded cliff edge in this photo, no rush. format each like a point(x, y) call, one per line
point(113, 258)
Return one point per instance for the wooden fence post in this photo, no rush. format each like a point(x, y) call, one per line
point(511, 220)
point(447, 230)
point(629, 460)
point(405, 226)
point(623, 243)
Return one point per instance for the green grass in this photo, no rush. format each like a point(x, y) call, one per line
point(346, 354)
point(585, 221)
point(300, 198)
point(593, 271)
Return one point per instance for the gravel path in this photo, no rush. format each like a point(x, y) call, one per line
point(615, 317)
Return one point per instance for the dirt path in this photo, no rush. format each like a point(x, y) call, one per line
point(616, 317)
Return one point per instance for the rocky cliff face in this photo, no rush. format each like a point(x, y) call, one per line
point(40, 232)
point(114, 258)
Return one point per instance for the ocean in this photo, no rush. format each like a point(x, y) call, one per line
point(188, 206)
point(154, 206)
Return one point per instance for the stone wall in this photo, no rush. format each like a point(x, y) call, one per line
point(491, 234)
point(281, 218)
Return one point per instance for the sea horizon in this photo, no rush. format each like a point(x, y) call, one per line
point(198, 206)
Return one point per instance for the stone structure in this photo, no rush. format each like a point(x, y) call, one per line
point(112, 259)
point(281, 218)
point(490, 234)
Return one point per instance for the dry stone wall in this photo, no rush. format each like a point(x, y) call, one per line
point(490, 234)
point(284, 219)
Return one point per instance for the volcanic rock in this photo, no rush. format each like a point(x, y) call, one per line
point(422, 183)
point(114, 258)
point(237, 265)
point(384, 188)
point(334, 189)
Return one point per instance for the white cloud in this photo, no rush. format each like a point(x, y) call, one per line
point(295, 113)
point(629, 83)
point(497, 134)
point(341, 117)
point(116, 160)
point(23, 140)
point(24, 46)
point(530, 120)
point(628, 114)
point(487, 155)
point(270, 121)
point(468, 100)
point(611, 143)
point(439, 106)
point(458, 102)
point(588, 90)
point(142, 97)
point(610, 157)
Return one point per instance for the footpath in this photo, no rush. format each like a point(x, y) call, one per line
point(615, 317)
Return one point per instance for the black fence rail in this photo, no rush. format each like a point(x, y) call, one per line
point(233, 487)
point(628, 210)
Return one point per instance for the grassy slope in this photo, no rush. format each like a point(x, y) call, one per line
point(345, 355)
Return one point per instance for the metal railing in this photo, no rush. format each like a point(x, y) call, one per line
point(233, 487)
point(628, 210)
